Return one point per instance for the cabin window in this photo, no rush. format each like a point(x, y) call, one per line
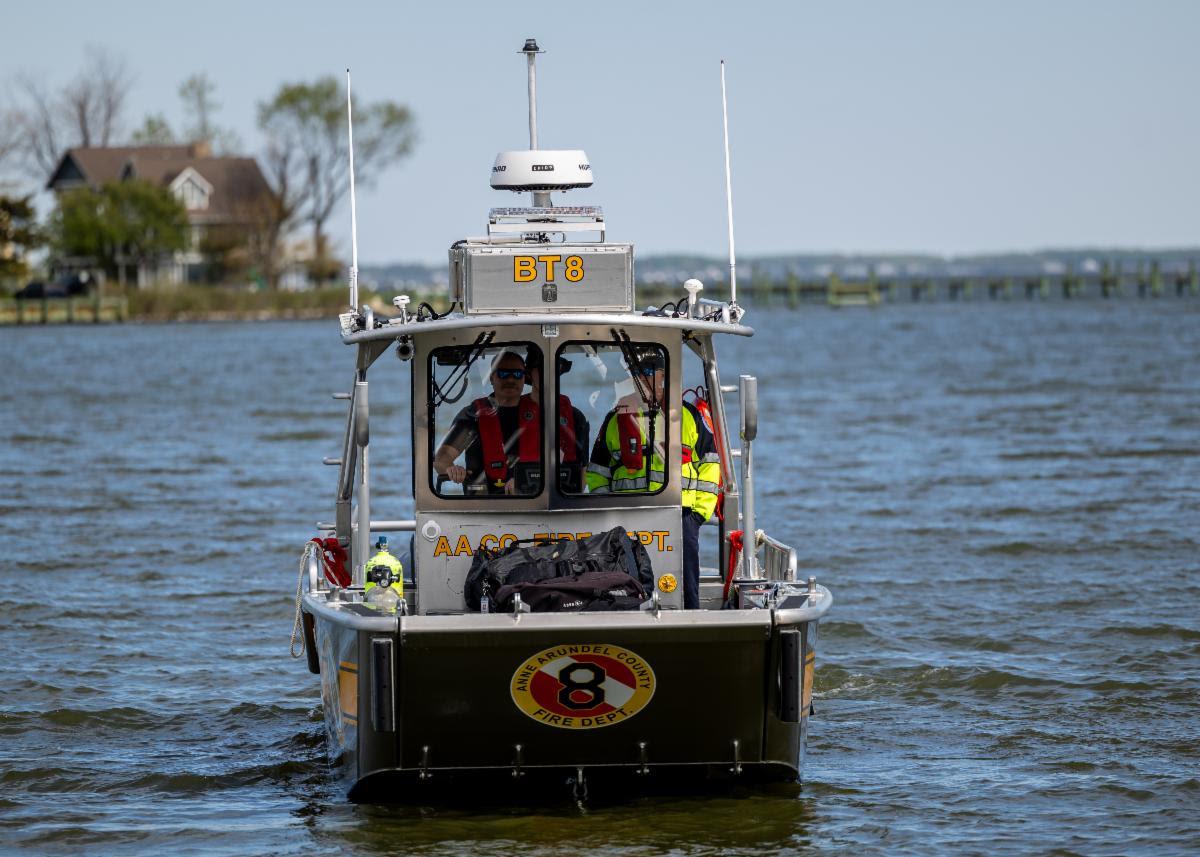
point(487, 421)
point(622, 391)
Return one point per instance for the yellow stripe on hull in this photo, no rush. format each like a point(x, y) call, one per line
point(348, 690)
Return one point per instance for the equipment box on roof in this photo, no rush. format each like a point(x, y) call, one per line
point(545, 277)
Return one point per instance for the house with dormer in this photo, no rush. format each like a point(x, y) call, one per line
point(226, 199)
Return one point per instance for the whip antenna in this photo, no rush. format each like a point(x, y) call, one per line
point(728, 194)
point(353, 214)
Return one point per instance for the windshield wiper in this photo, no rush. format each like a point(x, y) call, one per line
point(440, 394)
point(635, 366)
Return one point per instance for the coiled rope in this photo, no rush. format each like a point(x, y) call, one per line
point(309, 547)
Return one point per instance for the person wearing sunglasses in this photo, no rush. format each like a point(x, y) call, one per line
point(499, 434)
point(628, 457)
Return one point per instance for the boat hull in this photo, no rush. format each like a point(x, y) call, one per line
point(641, 697)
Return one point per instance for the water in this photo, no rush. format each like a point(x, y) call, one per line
point(1002, 497)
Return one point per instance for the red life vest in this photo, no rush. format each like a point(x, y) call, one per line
point(491, 436)
point(632, 446)
point(529, 443)
point(566, 430)
point(705, 412)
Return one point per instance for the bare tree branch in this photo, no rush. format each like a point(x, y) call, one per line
point(96, 97)
point(39, 128)
point(10, 141)
point(85, 112)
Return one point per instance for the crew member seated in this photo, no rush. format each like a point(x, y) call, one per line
point(500, 435)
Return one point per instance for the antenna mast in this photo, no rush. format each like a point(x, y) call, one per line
point(353, 214)
point(728, 194)
point(541, 199)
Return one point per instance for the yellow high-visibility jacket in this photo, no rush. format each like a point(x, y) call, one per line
point(701, 465)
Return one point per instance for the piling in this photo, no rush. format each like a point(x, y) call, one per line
point(1110, 282)
point(1072, 285)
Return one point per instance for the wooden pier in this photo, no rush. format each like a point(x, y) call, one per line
point(74, 310)
point(1146, 282)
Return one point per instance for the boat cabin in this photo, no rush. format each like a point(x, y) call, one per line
point(518, 396)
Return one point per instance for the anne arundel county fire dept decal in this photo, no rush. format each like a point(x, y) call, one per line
point(583, 686)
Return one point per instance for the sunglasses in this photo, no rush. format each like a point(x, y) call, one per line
point(505, 374)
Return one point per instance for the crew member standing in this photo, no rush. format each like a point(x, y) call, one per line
point(628, 458)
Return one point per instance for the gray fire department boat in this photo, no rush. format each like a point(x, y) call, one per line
point(435, 694)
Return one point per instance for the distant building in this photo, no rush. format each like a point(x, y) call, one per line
point(225, 199)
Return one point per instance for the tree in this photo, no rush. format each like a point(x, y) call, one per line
point(197, 95)
point(277, 215)
point(18, 235)
point(155, 131)
point(9, 141)
point(305, 126)
point(129, 221)
point(85, 112)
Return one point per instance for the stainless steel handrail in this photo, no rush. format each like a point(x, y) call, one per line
point(818, 605)
point(401, 526)
point(779, 561)
point(413, 328)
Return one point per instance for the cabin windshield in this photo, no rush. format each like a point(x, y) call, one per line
point(486, 421)
point(622, 391)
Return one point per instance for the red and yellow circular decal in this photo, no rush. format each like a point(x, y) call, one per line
point(583, 685)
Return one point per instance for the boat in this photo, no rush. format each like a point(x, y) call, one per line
point(438, 691)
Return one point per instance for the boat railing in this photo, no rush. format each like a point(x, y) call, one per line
point(398, 526)
point(778, 560)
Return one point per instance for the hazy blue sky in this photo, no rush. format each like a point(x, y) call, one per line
point(947, 127)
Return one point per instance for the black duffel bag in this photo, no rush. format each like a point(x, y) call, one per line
point(589, 591)
point(523, 562)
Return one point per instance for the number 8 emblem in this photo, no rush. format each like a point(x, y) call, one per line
point(583, 685)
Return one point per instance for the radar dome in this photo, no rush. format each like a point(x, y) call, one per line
point(541, 170)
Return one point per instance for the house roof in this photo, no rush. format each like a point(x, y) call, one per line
point(237, 183)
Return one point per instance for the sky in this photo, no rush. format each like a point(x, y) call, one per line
point(858, 127)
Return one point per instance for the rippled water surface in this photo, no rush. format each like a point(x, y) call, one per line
point(1004, 499)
